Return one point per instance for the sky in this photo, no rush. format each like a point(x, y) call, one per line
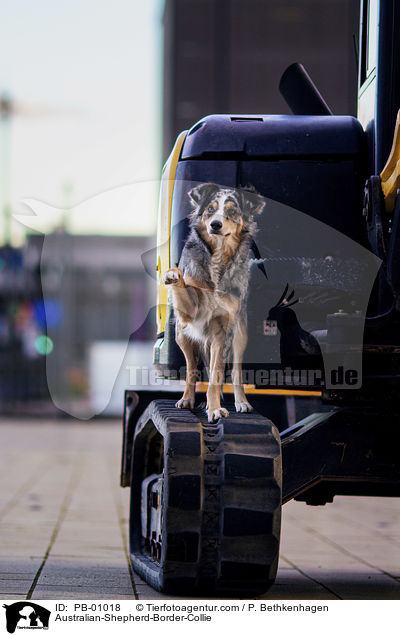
point(86, 76)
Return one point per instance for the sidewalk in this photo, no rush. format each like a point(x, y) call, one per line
point(64, 525)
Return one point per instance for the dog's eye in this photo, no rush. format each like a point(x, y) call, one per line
point(211, 208)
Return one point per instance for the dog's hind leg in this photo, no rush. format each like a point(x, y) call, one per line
point(216, 373)
point(238, 347)
point(191, 351)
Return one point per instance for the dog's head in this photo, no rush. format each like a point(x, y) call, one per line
point(223, 212)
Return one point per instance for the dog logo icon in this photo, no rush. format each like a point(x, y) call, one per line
point(26, 615)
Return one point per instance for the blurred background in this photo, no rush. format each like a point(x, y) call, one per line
point(92, 97)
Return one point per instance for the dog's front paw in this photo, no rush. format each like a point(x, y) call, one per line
point(173, 276)
point(243, 407)
point(184, 403)
point(216, 414)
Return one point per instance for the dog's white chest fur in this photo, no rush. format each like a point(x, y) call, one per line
point(194, 331)
point(215, 305)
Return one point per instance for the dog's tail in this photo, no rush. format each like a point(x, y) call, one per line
point(205, 357)
point(228, 346)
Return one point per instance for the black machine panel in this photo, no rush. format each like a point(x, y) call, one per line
point(295, 162)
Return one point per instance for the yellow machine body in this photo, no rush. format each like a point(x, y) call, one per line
point(164, 228)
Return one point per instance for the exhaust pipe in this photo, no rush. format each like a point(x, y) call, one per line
point(300, 92)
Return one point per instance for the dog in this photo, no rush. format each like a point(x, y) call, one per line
point(209, 290)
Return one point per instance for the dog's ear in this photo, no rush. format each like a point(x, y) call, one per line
point(252, 202)
point(199, 193)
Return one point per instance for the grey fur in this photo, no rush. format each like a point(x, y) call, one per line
point(196, 255)
point(209, 290)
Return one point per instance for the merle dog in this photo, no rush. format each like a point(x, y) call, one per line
point(209, 290)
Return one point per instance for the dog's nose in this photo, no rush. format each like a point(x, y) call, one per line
point(216, 225)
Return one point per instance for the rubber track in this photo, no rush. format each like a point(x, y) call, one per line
point(221, 502)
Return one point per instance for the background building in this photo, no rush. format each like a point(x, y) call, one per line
point(61, 299)
point(227, 56)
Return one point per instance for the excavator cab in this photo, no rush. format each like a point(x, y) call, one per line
point(323, 325)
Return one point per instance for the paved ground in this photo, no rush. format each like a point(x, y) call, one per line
point(63, 526)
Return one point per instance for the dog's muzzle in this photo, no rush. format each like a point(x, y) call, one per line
point(216, 227)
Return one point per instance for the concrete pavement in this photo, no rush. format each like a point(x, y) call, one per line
point(64, 525)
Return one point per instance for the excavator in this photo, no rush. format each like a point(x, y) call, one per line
point(206, 497)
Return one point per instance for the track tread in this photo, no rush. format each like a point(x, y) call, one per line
point(227, 503)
